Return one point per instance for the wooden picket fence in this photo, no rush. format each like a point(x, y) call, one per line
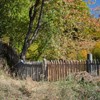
point(55, 70)
point(60, 69)
point(33, 70)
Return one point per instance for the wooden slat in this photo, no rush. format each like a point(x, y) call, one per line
point(61, 70)
point(56, 70)
point(79, 65)
point(66, 68)
point(98, 69)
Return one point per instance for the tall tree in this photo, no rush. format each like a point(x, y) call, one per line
point(61, 18)
point(31, 36)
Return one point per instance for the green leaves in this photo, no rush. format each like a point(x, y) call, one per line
point(14, 19)
point(63, 23)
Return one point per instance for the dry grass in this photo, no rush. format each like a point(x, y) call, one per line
point(14, 89)
point(74, 88)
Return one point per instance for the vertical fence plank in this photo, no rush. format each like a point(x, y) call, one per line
point(49, 65)
point(85, 65)
point(94, 68)
point(74, 65)
point(62, 67)
point(24, 73)
point(37, 74)
point(48, 71)
point(80, 65)
point(98, 64)
point(77, 66)
point(56, 70)
point(70, 66)
point(32, 73)
point(66, 68)
point(53, 71)
point(61, 70)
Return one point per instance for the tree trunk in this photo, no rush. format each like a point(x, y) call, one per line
point(30, 37)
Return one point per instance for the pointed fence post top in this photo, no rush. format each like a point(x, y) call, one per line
point(90, 57)
point(89, 63)
point(44, 63)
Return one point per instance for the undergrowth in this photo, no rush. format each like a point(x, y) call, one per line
point(69, 89)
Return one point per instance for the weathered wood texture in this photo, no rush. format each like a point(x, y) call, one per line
point(55, 70)
point(33, 70)
point(93, 67)
point(60, 69)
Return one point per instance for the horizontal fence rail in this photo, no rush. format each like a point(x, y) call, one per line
point(55, 70)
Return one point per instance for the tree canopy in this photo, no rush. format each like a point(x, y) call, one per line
point(64, 24)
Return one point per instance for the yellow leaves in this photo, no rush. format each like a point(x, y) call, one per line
point(5, 39)
point(97, 45)
point(96, 50)
point(33, 47)
point(84, 53)
point(81, 54)
point(33, 50)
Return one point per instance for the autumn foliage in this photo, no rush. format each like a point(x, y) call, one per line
point(67, 29)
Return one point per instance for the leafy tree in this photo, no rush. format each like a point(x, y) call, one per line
point(14, 20)
point(31, 36)
point(64, 23)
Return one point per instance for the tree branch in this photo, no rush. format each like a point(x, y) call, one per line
point(29, 40)
point(38, 25)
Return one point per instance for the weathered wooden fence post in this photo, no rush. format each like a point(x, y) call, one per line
point(44, 69)
point(89, 63)
point(98, 64)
